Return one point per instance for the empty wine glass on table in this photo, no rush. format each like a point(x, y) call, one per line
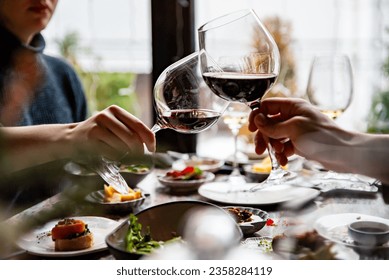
point(242, 63)
point(330, 84)
point(235, 116)
point(183, 101)
point(330, 88)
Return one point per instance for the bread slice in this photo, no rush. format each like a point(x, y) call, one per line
point(82, 242)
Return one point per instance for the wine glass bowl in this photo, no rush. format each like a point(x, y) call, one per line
point(330, 84)
point(183, 101)
point(242, 60)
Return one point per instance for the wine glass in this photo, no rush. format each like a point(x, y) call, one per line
point(183, 101)
point(330, 84)
point(242, 63)
point(235, 116)
point(330, 88)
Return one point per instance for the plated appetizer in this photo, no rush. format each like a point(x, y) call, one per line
point(71, 234)
point(305, 246)
point(188, 173)
point(264, 166)
point(135, 168)
point(139, 243)
point(112, 195)
point(240, 215)
point(204, 163)
point(188, 179)
point(250, 220)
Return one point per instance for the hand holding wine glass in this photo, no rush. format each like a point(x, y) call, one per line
point(242, 64)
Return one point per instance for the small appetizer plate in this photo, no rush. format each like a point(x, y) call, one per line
point(81, 175)
point(204, 163)
point(258, 218)
point(97, 197)
point(38, 241)
point(185, 185)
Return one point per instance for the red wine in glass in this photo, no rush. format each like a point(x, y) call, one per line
point(190, 120)
point(246, 88)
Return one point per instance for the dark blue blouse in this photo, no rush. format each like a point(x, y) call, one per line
point(59, 99)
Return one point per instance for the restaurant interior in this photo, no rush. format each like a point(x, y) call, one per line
point(205, 193)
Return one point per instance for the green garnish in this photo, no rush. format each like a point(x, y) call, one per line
point(138, 243)
point(138, 168)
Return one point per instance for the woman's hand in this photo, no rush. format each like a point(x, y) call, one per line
point(112, 132)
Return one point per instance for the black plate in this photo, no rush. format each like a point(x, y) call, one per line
point(165, 222)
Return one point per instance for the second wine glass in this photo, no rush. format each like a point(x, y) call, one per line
point(183, 101)
point(242, 64)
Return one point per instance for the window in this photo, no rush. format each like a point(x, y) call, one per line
point(356, 28)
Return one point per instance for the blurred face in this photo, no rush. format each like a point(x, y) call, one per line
point(25, 18)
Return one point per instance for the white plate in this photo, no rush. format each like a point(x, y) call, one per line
point(38, 242)
point(334, 228)
point(186, 185)
point(227, 193)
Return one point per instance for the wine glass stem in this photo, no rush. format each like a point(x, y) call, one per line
point(274, 163)
point(156, 127)
point(235, 168)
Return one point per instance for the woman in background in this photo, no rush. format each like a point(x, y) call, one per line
point(43, 108)
point(37, 90)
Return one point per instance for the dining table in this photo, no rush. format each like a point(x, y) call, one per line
point(335, 203)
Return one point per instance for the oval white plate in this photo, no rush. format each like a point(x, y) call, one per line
point(38, 241)
point(227, 193)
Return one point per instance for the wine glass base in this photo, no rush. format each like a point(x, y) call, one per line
point(276, 177)
point(233, 179)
